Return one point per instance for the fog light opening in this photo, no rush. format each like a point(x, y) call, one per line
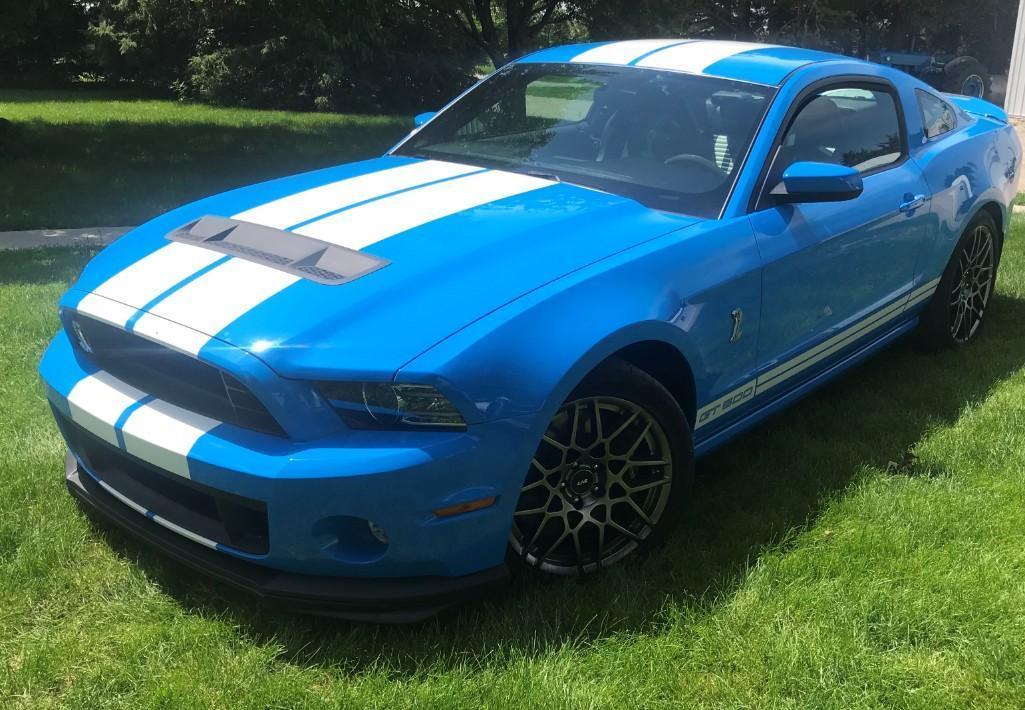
point(460, 508)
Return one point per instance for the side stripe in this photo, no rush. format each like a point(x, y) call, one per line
point(784, 371)
point(824, 349)
point(310, 204)
point(724, 404)
point(376, 221)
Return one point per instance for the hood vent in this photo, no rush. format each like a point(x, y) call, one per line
point(297, 254)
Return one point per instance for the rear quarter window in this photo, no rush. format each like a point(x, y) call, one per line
point(938, 117)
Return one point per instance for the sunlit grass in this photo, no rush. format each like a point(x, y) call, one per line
point(864, 548)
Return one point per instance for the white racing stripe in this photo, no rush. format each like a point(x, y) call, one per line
point(187, 318)
point(103, 309)
point(306, 205)
point(211, 302)
point(376, 221)
point(695, 57)
point(622, 52)
point(150, 276)
point(98, 400)
point(163, 434)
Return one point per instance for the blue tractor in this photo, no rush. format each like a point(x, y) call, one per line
point(949, 73)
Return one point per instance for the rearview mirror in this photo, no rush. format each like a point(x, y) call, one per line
point(422, 118)
point(817, 182)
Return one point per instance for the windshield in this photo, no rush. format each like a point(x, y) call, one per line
point(671, 141)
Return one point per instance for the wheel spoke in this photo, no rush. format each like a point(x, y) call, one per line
point(555, 545)
point(645, 486)
point(624, 426)
point(575, 429)
point(620, 529)
point(637, 443)
point(640, 511)
point(561, 447)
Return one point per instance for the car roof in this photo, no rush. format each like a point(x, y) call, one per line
point(766, 64)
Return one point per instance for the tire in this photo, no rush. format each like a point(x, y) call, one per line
point(593, 496)
point(967, 76)
point(957, 310)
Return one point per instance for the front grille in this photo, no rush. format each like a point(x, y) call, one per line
point(174, 377)
point(227, 519)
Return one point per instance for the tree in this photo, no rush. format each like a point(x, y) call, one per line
point(41, 38)
point(503, 29)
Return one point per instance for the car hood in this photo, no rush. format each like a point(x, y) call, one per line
point(450, 243)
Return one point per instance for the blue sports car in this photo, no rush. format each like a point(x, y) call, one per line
point(374, 390)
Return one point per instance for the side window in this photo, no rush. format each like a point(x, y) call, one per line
point(937, 116)
point(849, 125)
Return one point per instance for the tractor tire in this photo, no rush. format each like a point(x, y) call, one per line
point(967, 76)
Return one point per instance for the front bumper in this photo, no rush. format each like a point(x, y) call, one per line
point(393, 600)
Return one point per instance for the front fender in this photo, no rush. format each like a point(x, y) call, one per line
point(680, 289)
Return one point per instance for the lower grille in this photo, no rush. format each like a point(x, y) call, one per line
point(173, 376)
point(234, 521)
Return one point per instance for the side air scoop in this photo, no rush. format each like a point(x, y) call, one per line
point(296, 254)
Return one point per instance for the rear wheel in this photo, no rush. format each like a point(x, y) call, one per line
point(955, 314)
point(609, 478)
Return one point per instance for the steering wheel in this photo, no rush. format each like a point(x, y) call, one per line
point(710, 175)
point(697, 161)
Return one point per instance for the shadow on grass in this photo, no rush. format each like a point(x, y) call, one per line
point(122, 173)
point(751, 497)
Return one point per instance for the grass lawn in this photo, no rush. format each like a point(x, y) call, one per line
point(95, 159)
point(812, 572)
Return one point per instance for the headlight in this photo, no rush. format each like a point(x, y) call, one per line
point(381, 405)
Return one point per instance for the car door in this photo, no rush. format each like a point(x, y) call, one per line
point(834, 270)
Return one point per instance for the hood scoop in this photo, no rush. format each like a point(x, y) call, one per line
point(296, 254)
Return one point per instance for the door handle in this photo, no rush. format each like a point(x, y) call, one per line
point(913, 204)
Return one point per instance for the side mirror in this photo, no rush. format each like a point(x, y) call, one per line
point(422, 118)
point(818, 182)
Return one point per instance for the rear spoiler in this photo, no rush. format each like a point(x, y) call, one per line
point(978, 107)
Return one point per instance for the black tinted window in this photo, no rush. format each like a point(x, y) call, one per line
point(853, 126)
point(937, 116)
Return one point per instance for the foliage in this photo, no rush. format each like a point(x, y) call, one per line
point(407, 54)
point(356, 54)
point(44, 38)
point(503, 29)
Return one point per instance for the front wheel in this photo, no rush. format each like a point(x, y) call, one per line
point(609, 478)
point(955, 314)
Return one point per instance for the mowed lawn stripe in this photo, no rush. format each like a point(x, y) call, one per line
point(864, 548)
